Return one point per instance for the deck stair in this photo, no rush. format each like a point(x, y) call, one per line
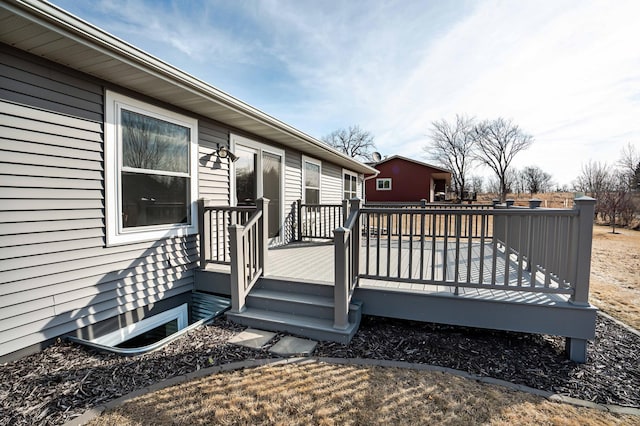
point(301, 308)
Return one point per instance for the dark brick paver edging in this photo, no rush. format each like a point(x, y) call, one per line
point(97, 411)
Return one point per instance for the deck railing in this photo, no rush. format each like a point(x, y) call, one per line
point(534, 250)
point(318, 221)
point(248, 245)
point(214, 230)
point(347, 244)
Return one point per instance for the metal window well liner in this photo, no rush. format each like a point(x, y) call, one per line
point(204, 308)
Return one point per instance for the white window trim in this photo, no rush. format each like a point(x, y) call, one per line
point(350, 173)
point(260, 148)
point(123, 334)
point(318, 163)
point(113, 159)
point(378, 180)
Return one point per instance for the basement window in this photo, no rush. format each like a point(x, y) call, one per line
point(136, 334)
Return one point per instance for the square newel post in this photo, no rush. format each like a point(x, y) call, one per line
point(341, 285)
point(345, 211)
point(423, 203)
point(534, 203)
point(586, 208)
point(263, 205)
point(238, 275)
point(509, 202)
point(299, 219)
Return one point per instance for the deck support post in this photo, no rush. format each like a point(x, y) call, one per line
point(341, 284)
point(576, 349)
point(299, 219)
point(238, 277)
point(586, 208)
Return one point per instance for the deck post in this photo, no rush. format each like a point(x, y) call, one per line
point(299, 219)
point(509, 202)
point(345, 211)
point(423, 203)
point(341, 285)
point(576, 349)
point(263, 243)
point(534, 203)
point(586, 209)
point(205, 237)
point(238, 276)
point(356, 237)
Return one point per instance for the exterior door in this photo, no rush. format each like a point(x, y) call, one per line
point(258, 173)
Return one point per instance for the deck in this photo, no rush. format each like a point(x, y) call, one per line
point(522, 270)
point(314, 262)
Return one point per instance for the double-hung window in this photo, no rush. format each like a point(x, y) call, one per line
point(349, 185)
point(311, 172)
point(150, 173)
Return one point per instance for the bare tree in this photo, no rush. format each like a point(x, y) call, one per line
point(615, 203)
point(629, 164)
point(452, 146)
point(497, 143)
point(477, 184)
point(354, 142)
point(593, 179)
point(535, 180)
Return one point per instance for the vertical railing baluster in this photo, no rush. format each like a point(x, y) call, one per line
point(483, 227)
point(389, 232)
point(378, 236)
point(470, 220)
point(433, 246)
point(508, 225)
point(445, 246)
point(422, 218)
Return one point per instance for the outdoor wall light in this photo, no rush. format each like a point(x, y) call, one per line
point(223, 152)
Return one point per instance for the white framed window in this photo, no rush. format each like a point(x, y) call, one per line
point(383, 184)
point(178, 314)
point(151, 176)
point(349, 184)
point(311, 177)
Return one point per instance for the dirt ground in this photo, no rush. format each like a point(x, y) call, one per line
point(615, 273)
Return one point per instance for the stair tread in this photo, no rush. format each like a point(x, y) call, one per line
point(293, 320)
point(303, 298)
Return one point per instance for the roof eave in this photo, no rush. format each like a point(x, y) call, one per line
point(66, 25)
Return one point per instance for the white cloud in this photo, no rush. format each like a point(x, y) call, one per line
point(567, 72)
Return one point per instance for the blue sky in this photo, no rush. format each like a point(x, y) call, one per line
point(568, 72)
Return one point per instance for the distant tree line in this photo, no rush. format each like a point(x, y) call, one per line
point(613, 186)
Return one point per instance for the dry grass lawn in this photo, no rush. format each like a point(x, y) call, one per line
point(615, 273)
point(325, 394)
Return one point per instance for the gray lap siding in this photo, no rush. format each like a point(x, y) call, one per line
point(56, 274)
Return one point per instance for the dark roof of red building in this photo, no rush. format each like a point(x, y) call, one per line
point(400, 157)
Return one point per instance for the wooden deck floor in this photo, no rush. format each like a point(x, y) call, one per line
point(314, 262)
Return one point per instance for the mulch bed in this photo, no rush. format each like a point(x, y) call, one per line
point(64, 380)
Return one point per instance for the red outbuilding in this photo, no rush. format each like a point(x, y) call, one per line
point(404, 179)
